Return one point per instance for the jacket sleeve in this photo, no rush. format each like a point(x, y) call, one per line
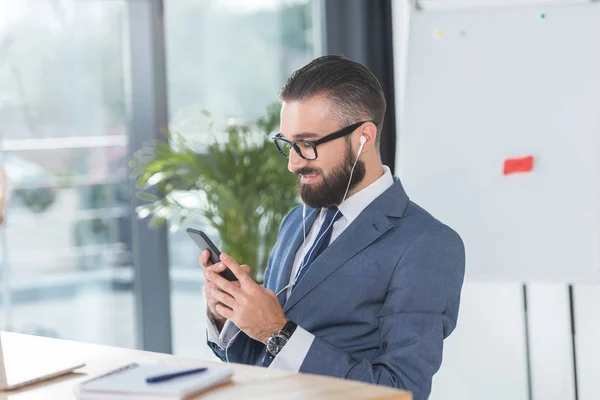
point(242, 349)
point(420, 310)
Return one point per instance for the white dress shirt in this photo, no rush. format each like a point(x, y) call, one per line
point(293, 353)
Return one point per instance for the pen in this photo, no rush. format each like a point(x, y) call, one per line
point(166, 377)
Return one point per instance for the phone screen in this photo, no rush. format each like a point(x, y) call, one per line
point(204, 243)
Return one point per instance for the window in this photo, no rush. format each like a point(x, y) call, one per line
point(65, 246)
point(66, 241)
point(230, 58)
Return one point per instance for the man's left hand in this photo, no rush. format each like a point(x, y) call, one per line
point(254, 309)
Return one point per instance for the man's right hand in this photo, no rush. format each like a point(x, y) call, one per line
point(211, 302)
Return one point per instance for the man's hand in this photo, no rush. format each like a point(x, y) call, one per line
point(212, 302)
point(254, 309)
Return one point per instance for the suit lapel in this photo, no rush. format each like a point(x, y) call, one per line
point(370, 225)
point(289, 255)
point(367, 228)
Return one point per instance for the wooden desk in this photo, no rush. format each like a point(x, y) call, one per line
point(248, 382)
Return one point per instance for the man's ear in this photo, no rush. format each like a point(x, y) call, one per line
point(369, 133)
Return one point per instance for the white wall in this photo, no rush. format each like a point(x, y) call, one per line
point(477, 85)
point(486, 356)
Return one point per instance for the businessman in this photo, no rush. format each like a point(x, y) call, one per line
point(362, 283)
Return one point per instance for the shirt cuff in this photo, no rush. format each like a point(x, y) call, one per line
point(223, 338)
point(294, 352)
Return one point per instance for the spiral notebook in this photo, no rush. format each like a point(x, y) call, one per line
point(129, 383)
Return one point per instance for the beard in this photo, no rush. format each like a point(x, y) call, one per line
point(332, 189)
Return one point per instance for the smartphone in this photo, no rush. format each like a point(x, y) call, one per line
point(206, 244)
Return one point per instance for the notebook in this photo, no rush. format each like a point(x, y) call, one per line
point(129, 383)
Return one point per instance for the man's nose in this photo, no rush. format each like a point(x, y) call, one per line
point(295, 162)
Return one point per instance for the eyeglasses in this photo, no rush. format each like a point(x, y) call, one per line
point(307, 149)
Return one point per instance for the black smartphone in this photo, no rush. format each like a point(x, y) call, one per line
point(206, 244)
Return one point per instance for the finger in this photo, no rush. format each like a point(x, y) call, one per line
point(210, 300)
point(216, 268)
point(203, 261)
point(237, 270)
point(246, 268)
point(224, 311)
point(210, 287)
point(222, 283)
point(223, 297)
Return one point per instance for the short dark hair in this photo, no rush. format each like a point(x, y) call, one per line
point(356, 93)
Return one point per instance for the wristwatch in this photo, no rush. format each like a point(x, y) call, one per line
point(279, 339)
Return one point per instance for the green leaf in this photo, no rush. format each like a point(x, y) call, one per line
point(146, 197)
point(244, 178)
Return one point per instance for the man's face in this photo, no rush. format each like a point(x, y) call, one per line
point(322, 182)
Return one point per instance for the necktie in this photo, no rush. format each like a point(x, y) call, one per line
point(321, 241)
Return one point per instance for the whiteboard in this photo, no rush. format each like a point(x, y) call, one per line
point(478, 88)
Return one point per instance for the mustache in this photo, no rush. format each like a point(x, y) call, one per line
point(307, 171)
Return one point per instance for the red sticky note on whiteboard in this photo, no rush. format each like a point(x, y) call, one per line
point(516, 165)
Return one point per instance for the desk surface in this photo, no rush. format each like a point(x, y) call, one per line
point(248, 382)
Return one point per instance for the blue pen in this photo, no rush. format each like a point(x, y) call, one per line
point(166, 377)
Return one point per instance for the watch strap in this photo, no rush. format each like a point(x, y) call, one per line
point(289, 328)
point(287, 331)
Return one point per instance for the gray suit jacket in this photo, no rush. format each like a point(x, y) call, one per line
point(380, 299)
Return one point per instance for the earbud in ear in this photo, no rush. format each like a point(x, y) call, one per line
point(363, 140)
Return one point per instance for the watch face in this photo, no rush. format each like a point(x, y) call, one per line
point(276, 343)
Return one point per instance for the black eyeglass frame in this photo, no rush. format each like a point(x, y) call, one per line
point(314, 143)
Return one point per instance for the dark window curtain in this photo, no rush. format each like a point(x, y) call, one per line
point(362, 31)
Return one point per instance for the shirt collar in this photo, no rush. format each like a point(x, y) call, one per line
point(355, 204)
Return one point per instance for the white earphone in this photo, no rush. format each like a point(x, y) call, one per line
point(363, 140)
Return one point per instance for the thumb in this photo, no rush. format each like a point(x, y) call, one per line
point(246, 268)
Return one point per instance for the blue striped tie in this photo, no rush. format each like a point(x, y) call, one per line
point(321, 241)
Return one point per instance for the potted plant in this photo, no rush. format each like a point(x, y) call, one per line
point(240, 186)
